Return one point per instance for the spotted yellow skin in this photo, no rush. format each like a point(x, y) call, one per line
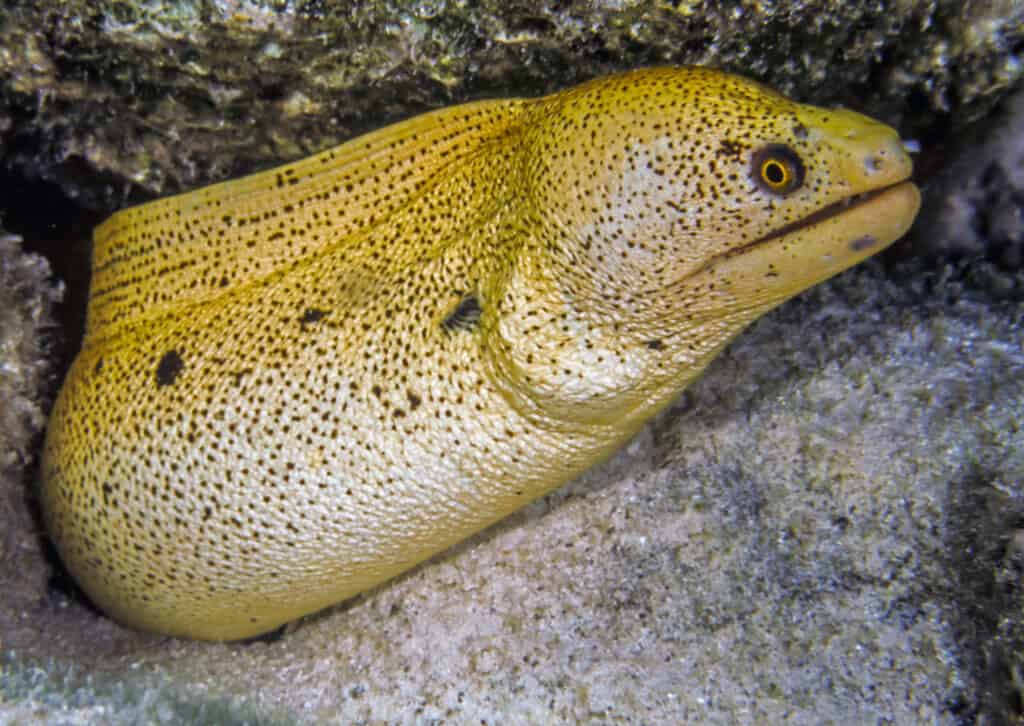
point(296, 385)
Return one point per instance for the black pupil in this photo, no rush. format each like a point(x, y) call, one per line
point(777, 169)
point(774, 172)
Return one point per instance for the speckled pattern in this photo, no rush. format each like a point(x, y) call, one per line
point(273, 410)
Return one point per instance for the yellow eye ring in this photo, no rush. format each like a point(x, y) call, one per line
point(777, 169)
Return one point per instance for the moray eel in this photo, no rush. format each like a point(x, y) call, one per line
point(296, 385)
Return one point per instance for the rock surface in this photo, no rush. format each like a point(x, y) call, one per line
point(111, 97)
point(27, 298)
point(975, 203)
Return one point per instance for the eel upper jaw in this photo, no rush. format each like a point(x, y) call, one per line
point(752, 278)
point(827, 212)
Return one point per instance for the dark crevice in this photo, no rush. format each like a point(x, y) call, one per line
point(55, 227)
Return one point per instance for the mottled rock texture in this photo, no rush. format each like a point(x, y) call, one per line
point(828, 527)
point(977, 200)
point(27, 297)
point(107, 96)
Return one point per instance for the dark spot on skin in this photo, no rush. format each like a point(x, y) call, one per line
point(224, 281)
point(863, 243)
point(800, 131)
point(465, 316)
point(655, 344)
point(376, 390)
point(730, 149)
point(168, 368)
point(414, 400)
point(107, 491)
point(312, 315)
point(99, 367)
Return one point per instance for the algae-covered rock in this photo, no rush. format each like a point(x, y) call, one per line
point(162, 96)
point(27, 297)
point(975, 201)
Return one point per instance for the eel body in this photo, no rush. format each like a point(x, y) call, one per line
point(295, 385)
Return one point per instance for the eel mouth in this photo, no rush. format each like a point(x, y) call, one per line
point(825, 213)
point(795, 256)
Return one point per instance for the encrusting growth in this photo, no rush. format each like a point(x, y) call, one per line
point(296, 385)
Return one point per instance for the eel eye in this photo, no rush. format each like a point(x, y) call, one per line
point(777, 169)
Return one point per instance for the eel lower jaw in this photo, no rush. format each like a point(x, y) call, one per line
point(832, 210)
point(763, 273)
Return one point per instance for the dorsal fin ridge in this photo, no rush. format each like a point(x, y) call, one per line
point(192, 246)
